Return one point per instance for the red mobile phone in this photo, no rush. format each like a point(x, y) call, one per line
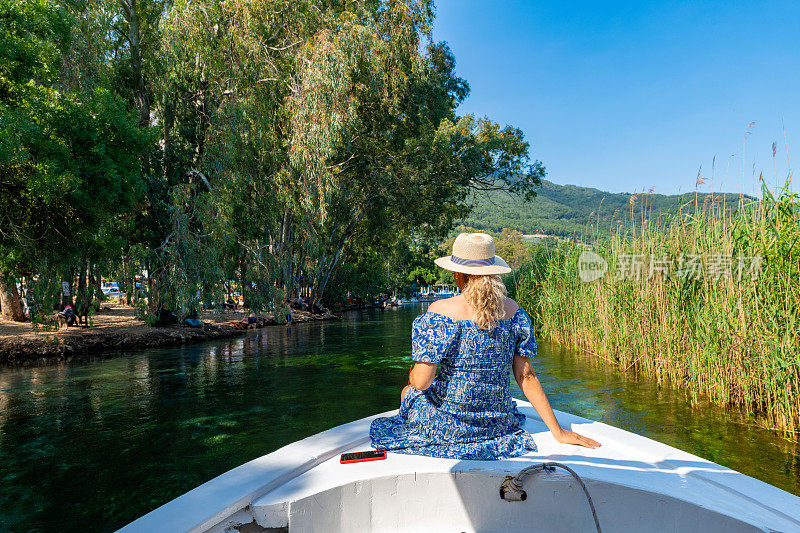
point(359, 457)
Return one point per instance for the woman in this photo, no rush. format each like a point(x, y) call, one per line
point(466, 410)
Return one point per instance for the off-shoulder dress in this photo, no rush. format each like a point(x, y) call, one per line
point(468, 411)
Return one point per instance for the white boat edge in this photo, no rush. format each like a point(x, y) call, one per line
point(625, 460)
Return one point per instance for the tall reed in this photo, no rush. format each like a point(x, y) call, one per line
point(729, 335)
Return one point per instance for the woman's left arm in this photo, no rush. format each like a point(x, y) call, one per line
point(529, 383)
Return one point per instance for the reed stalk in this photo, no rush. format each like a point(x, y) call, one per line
point(730, 335)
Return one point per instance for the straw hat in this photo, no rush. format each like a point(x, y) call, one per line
point(473, 253)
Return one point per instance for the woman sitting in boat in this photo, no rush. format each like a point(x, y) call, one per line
point(466, 410)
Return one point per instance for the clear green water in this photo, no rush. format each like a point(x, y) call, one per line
point(91, 444)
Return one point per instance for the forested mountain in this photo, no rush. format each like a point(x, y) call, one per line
point(566, 210)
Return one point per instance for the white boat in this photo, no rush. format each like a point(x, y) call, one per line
point(437, 292)
point(635, 484)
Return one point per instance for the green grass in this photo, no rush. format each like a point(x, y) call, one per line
point(732, 340)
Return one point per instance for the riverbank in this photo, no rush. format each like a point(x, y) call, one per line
point(116, 327)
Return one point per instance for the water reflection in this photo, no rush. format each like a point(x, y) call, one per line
point(101, 441)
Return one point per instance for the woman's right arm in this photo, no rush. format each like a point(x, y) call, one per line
point(529, 383)
point(421, 376)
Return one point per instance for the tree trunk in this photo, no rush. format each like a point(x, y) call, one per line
point(81, 292)
point(94, 281)
point(324, 274)
point(284, 254)
point(132, 297)
point(153, 288)
point(169, 122)
point(10, 302)
point(129, 281)
point(141, 98)
point(244, 287)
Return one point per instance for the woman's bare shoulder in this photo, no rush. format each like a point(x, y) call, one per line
point(457, 308)
point(449, 307)
point(510, 307)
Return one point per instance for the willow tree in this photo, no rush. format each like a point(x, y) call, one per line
point(293, 134)
point(227, 66)
point(376, 145)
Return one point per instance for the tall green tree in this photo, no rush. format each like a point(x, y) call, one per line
point(320, 126)
point(376, 145)
point(68, 158)
point(273, 144)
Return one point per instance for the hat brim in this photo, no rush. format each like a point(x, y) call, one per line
point(499, 267)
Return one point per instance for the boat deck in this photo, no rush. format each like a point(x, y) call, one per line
point(297, 484)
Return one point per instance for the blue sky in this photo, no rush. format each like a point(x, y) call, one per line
point(623, 96)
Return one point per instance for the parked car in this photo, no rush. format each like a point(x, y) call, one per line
point(111, 289)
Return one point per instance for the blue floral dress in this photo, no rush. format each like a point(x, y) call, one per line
point(468, 412)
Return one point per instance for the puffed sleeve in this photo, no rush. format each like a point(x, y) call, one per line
point(432, 335)
point(526, 341)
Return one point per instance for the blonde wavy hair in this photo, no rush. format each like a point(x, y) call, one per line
point(486, 296)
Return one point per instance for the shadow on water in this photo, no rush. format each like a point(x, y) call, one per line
point(94, 443)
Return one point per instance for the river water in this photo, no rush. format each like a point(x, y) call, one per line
point(91, 444)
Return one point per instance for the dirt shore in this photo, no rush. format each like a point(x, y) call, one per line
point(116, 327)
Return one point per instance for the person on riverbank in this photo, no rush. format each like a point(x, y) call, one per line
point(478, 337)
point(68, 315)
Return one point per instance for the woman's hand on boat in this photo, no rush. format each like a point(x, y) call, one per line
point(570, 437)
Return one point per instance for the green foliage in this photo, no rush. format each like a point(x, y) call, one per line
point(333, 142)
point(380, 150)
point(290, 146)
point(731, 336)
point(511, 247)
point(69, 159)
point(422, 276)
point(33, 35)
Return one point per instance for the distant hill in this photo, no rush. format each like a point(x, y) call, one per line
point(567, 210)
